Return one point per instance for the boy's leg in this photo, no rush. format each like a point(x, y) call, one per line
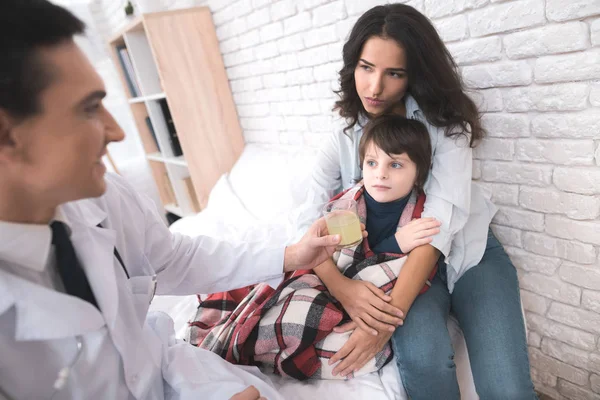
point(486, 301)
point(423, 348)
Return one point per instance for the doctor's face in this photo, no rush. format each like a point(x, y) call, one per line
point(58, 151)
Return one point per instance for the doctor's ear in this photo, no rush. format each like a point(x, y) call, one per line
point(7, 140)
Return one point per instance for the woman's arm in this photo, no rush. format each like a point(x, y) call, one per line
point(361, 347)
point(364, 302)
point(448, 190)
point(413, 275)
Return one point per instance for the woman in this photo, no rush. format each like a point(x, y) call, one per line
point(395, 62)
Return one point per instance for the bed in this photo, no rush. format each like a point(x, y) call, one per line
point(256, 202)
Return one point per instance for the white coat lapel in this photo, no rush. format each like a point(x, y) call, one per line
point(94, 247)
point(45, 314)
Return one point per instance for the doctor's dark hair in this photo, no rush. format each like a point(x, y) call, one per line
point(26, 26)
point(395, 134)
point(433, 78)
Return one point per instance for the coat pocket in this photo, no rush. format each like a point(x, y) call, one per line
point(142, 290)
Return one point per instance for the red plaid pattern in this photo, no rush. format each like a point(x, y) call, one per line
point(290, 330)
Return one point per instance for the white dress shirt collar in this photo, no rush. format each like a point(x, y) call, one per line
point(412, 108)
point(28, 245)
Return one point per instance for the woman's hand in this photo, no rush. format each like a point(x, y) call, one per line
point(358, 350)
point(368, 306)
point(417, 233)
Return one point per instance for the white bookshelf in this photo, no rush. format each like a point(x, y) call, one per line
point(174, 57)
point(143, 62)
point(178, 197)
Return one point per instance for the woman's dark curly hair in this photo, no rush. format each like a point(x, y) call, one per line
point(433, 78)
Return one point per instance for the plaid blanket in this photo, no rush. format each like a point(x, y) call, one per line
point(289, 330)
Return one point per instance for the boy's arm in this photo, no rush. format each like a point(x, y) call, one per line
point(330, 275)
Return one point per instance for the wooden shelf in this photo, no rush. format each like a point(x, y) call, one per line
point(167, 160)
point(142, 99)
point(135, 25)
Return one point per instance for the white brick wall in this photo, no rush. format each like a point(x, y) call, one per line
point(559, 97)
point(551, 39)
point(568, 67)
point(534, 70)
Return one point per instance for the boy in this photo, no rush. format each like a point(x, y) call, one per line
point(292, 328)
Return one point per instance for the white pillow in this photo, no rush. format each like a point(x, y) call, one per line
point(266, 178)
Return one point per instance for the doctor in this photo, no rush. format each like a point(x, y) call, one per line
point(82, 254)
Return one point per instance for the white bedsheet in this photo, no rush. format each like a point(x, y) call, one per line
point(253, 203)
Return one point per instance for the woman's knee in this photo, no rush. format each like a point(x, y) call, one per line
point(495, 255)
point(433, 365)
point(429, 358)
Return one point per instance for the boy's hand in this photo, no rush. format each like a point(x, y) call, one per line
point(417, 233)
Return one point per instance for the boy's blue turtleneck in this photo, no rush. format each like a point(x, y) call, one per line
point(382, 222)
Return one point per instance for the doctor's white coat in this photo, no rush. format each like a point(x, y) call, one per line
point(125, 353)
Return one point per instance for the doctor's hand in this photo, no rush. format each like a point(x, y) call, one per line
point(251, 393)
point(313, 249)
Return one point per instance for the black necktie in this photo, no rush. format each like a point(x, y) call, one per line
point(69, 268)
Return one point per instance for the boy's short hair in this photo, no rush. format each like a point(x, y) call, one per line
point(26, 26)
point(395, 134)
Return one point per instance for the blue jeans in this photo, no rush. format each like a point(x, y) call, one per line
point(486, 302)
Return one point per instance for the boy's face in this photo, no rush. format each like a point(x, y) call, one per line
point(388, 177)
point(56, 155)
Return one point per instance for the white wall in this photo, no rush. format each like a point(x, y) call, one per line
point(535, 65)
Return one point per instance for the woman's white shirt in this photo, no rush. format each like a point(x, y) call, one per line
point(462, 207)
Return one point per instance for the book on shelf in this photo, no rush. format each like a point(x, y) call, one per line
point(173, 138)
point(127, 66)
